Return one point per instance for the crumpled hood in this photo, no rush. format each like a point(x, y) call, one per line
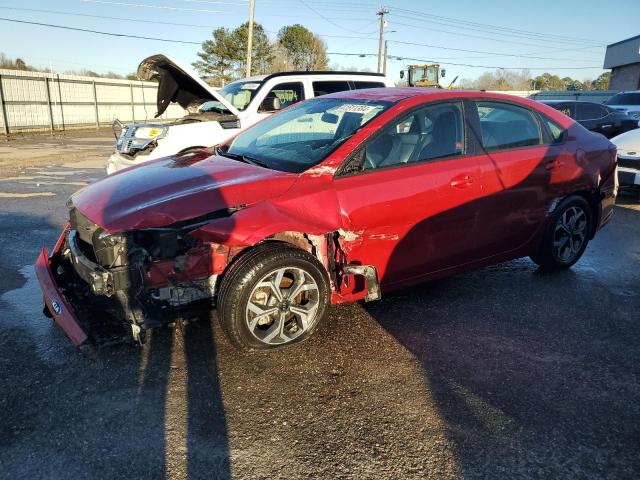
point(175, 189)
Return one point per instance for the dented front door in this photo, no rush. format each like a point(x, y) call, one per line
point(412, 220)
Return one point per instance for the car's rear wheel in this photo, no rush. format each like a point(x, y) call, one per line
point(567, 235)
point(274, 295)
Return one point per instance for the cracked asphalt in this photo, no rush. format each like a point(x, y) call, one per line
point(504, 372)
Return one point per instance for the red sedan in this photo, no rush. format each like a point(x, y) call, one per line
point(336, 199)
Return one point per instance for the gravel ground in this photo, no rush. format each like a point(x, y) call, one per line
point(90, 147)
point(501, 373)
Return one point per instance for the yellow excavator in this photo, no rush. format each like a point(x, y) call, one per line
point(426, 75)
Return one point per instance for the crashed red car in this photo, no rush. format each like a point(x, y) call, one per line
point(336, 199)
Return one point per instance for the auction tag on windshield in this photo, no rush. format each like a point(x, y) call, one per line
point(355, 108)
point(250, 86)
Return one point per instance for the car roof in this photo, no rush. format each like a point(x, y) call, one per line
point(397, 94)
point(581, 102)
point(308, 73)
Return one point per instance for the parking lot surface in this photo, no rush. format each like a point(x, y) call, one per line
point(506, 372)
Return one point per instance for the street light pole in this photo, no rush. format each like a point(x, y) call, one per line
point(382, 12)
point(250, 37)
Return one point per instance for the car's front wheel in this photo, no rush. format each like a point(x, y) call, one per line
point(274, 295)
point(567, 235)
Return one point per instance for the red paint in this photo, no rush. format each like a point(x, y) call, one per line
point(419, 221)
point(66, 318)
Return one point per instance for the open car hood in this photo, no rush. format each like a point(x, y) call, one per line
point(178, 83)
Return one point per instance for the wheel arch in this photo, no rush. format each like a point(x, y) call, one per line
point(593, 199)
point(319, 247)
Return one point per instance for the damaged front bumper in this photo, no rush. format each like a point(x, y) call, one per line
point(96, 305)
point(56, 304)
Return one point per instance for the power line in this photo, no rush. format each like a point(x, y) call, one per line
point(497, 67)
point(327, 19)
point(160, 7)
point(99, 32)
point(501, 40)
point(136, 20)
point(498, 28)
point(479, 51)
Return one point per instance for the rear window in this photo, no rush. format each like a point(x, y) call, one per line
point(363, 84)
point(624, 99)
point(325, 87)
point(590, 111)
point(504, 126)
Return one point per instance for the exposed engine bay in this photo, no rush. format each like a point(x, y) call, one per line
point(124, 284)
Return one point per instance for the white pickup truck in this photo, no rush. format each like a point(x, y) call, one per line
point(216, 115)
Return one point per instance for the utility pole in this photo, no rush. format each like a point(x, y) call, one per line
point(250, 37)
point(384, 65)
point(382, 12)
point(386, 55)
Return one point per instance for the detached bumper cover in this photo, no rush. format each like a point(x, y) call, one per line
point(56, 303)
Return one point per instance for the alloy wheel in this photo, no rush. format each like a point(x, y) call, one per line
point(570, 234)
point(282, 306)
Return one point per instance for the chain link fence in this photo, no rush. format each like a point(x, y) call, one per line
point(39, 101)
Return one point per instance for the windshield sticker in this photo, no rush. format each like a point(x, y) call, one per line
point(250, 86)
point(355, 108)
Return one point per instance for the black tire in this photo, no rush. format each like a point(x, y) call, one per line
point(550, 254)
point(243, 276)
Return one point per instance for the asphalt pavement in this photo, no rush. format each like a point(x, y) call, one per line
point(505, 372)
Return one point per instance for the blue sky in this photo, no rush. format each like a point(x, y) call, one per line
point(560, 34)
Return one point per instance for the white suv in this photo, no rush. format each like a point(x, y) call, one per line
point(216, 115)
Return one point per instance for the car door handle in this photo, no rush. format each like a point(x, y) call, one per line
point(463, 180)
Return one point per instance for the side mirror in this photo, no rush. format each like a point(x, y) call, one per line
point(443, 72)
point(401, 73)
point(270, 104)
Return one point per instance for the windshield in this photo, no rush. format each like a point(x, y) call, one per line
point(240, 94)
point(624, 99)
point(303, 135)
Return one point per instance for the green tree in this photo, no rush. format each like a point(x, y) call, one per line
point(217, 56)
point(261, 49)
point(224, 56)
point(572, 84)
point(303, 49)
point(602, 82)
point(547, 81)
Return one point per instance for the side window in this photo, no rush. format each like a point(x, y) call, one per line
point(363, 84)
point(590, 111)
point(433, 132)
point(325, 87)
point(556, 131)
point(287, 93)
point(504, 126)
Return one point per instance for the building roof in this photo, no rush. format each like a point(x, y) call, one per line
point(624, 52)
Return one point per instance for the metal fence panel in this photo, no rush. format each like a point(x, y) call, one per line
point(33, 101)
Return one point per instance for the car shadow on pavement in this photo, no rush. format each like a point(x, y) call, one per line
point(529, 371)
point(137, 412)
